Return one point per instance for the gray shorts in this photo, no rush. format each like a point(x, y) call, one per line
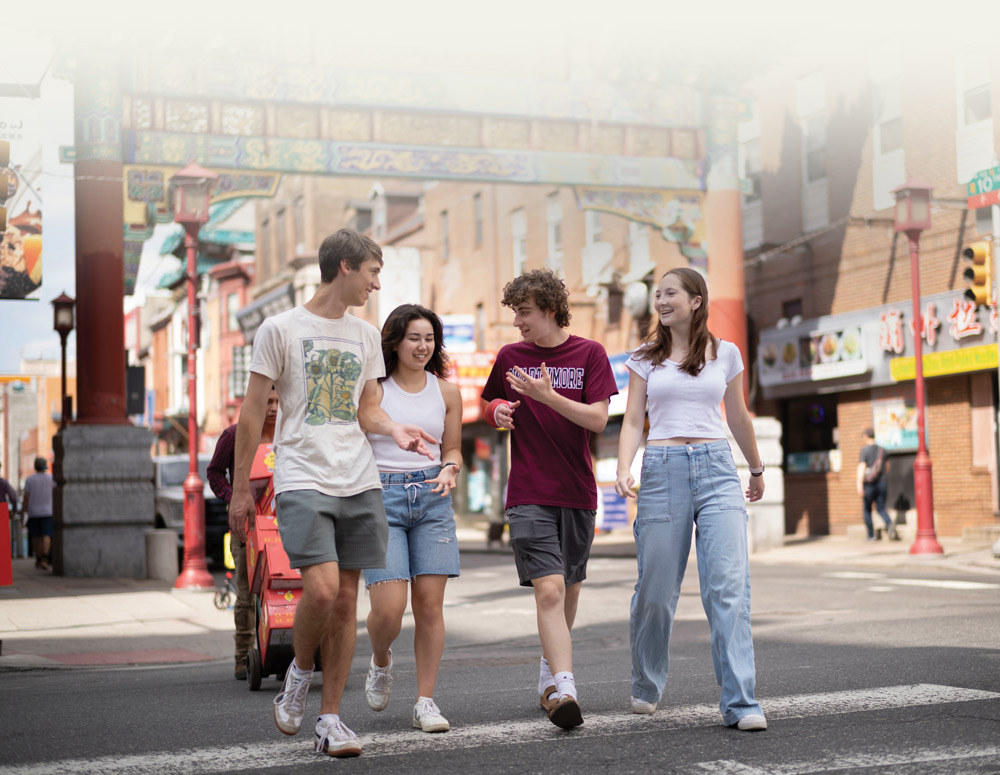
point(551, 540)
point(317, 528)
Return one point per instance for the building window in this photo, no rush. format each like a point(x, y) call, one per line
point(814, 146)
point(791, 309)
point(592, 225)
point(553, 219)
point(752, 169)
point(888, 117)
point(477, 205)
point(445, 236)
point(519, 236)
point(977, 104)
point(240, 374)
point(810, 424)
point(232, 307)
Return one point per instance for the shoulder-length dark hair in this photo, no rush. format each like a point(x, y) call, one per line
point(657, 346)
point(394, 331)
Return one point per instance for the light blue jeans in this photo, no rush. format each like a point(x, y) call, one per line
point(680, 487)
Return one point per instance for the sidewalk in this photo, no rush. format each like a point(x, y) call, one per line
point(52, 622)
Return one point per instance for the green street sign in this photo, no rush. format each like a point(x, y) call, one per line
point(984, 182)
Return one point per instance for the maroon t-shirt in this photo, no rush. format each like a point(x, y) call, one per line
point(550, 456)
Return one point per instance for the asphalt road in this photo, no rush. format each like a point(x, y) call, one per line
point(858, 672)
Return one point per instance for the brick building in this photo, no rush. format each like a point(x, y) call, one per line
point(829, 286)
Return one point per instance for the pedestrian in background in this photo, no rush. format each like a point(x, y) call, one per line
point(689, 480)
point(36, 505)
point(220, 478)
point(326, 365)
point(557, 386)
point(423, 546)
point(7, 493)
point(873, 487)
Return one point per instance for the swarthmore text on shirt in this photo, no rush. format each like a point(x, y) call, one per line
point(566, 378)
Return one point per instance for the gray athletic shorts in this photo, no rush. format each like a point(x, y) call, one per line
point(316, 528)
point(551, 540)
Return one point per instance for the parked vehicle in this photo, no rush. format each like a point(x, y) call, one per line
point(169, 473)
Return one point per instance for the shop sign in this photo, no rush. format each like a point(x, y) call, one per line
point(470, 372)
point(948, 362)
point(815, 356)
point(813, 462)
point(459, 333)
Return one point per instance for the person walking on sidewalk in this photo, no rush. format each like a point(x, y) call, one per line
point(325, 364)
point(36, 505)
point(423, 546)
point(220, 478)
point(551, 390)
point(873, 486)
point(689, 479)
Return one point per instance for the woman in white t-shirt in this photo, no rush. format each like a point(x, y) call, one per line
point(422, 548)
point(689, 478)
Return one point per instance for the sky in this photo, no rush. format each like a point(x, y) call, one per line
point(529, 33)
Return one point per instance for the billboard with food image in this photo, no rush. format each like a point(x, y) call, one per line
point(787, 355)
point(21, 245)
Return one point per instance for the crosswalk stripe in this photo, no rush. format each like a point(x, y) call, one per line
point(282, 753)
point(884, 760)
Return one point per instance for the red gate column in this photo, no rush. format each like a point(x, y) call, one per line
point(100, 266)
point(724, 228)
point(103, 501)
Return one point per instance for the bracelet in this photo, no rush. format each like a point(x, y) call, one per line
point(757, 472)
point(445, 465)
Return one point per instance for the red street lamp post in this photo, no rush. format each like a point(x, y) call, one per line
point(63, 322)
point(192, 192)
point(913, 215)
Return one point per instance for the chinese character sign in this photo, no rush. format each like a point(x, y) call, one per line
point(963, 320)
point(929, 324)
point(890, 331)
point(21, 243)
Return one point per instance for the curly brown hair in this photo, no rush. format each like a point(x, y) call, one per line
point(542, 287)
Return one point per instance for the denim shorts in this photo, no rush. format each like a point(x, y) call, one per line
point(551, 540)
point(422, 538)
point(39, 527)
point(317, 528)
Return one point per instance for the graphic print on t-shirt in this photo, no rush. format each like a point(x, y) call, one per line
point(331, 376)
point(563, 378)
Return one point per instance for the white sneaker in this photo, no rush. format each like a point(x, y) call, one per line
point(378, 684)
point(752, 722)
point(290, 703)
point(641, 706)
point(427, 716)
point(334, 738)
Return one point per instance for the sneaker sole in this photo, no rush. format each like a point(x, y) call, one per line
point(566, 714)
point(432, 727)
point(644, 711)
point(375, 707)
point(351, 749)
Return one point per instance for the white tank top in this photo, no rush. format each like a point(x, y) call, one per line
point(424, 409)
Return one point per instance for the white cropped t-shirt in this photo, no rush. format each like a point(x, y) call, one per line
point(684, 406)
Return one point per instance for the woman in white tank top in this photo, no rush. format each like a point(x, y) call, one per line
point(689, 481)
point(422, 547)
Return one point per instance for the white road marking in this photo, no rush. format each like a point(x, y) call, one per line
point(882, 588)
point(852, 575)
point(847, 761)
point(281, 753)
point(943, 584)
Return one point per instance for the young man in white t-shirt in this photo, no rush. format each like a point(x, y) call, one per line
point(325, 365)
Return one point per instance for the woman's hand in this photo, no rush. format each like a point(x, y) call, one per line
point(755, 490)
point(446, 480)
point(624, 484)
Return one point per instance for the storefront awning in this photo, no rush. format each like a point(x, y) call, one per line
point(271, 303)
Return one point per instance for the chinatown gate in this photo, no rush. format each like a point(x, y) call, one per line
point(648, 152)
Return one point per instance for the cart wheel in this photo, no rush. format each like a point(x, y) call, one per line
point(222, 600)
point(253, 669)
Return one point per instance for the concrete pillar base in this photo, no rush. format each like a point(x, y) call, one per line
point(161, 555)
point(766, 526)
point(103, 501)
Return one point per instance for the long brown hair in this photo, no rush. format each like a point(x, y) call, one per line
point(656, 349)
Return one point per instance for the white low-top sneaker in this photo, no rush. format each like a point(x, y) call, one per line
point(641, 706)
point(752, 722)
point(334, 738)
point(290, 702)
point(378, 684)
point(427, 716)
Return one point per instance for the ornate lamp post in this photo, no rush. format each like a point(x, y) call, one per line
point(192, 189)
point(913, 215)
point(63, 321)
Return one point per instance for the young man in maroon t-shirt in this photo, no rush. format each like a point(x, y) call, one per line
point(551, 390)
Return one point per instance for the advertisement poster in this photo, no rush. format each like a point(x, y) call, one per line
point(21, 247)
point(895, 423)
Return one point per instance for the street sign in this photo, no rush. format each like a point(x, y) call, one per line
point(984, 189)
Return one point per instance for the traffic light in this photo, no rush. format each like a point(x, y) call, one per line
point(980, 274)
